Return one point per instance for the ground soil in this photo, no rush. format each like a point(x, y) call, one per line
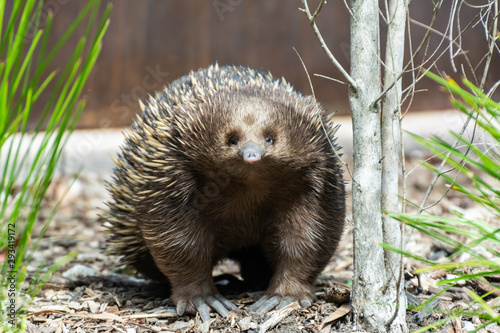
point(91, 293)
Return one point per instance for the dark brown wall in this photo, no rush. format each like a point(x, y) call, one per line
point(152, 42)
point(174, 37)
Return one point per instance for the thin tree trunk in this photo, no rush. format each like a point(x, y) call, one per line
point(391, 142)
point(378, 299)
point(369, 269)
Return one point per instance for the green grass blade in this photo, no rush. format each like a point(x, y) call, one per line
point(31, 157)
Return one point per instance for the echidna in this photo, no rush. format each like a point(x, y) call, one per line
point(228, 162)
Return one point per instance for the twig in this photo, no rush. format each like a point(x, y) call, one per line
point(325, 48)
point(323, 127)
point(306, 71)
point(450, 48)
point(492, 89)
point(408, 91)
point(320, 6)
point(492, 41)
point(422, 206)
point(351, 15)
point(277, 317)
point(151, 315)
point(330, 78)
point(454, 42)
point(410, 62)
point(438, 175)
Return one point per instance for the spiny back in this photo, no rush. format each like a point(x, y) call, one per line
point(179, 135)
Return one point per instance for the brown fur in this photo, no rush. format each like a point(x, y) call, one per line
point(183, 199)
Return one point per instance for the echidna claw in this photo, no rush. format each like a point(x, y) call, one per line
point(285, 302)
point(305, 303)
point(217, 306)
point(228, 304)
point(268, 303)
point(202, 308)
point(218, 303)
point(181, 307)
point(265, 304)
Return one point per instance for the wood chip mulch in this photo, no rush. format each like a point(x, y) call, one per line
point(90, 293)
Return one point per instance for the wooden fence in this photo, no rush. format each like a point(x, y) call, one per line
point(152, 42)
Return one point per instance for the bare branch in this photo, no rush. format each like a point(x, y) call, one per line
point(491, 41)
point(410, 62)
point(432, 58)
point(321, 118)
point(349, 10)
point(325, 48)
point(320, 6)
point(450, 25)
point(492, 90)
point(423, 203)
point(330, 78)
point(456, 42)
point(491, 37)
point(307, 73)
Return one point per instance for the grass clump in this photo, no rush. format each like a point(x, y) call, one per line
point(479, 163)
point(29, 156)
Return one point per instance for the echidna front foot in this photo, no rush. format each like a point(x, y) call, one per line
point(283, 291)
point(202, 305)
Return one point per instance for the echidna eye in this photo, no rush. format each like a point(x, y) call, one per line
point(269, 140)
point(233, 141)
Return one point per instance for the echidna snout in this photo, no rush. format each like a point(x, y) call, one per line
point(252, 152)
